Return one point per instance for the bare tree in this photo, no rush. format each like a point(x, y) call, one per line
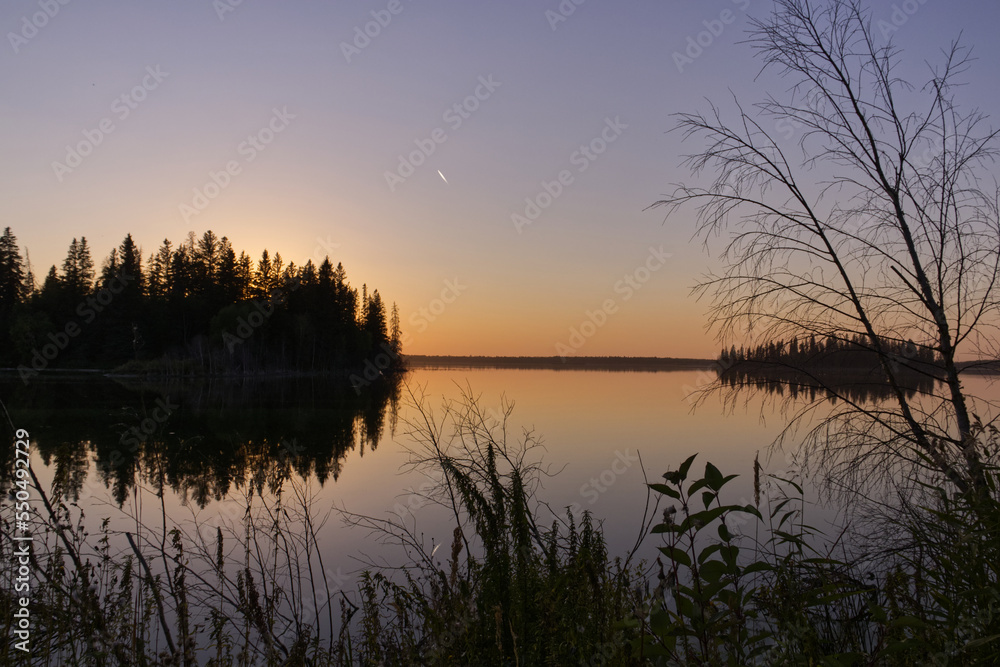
point(879, 223)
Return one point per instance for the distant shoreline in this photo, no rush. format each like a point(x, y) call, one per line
point(639, 364)
point(428, 362)
point(443, 362)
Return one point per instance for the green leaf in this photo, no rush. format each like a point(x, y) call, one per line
point(706, 517)
point(908, 622)
point(982, 641)
point(665, 528)
point(686, 466)
point(707, 497)
point(843, 659)
point(724, 533)
point(713, 570)
point(903, 646)
point(665, 490)
point(711, 590)
point(657, 651)
point(729, 554)
point(686, 608)
point(707, 552)
point(777, 508)
point(661, 623)
point(713, 477)
point(797, 488)
point(698, 484)
point(759, 566)
point(676, 555)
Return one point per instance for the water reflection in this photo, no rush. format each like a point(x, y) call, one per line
point(854, 385)
point(196, 437)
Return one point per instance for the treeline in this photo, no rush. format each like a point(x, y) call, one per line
point(849, 352)
point(198, 307)
point(558, 363)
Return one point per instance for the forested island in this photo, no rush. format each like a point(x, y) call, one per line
point(837, 365)
point(197, 308)
point(847, 352)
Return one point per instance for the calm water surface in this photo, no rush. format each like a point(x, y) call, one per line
point(100, 439)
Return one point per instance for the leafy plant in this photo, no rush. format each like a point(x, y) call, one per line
point(701, 612)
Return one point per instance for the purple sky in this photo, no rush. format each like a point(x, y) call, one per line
point(170, 100)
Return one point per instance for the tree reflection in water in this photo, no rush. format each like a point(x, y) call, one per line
point(197, 438)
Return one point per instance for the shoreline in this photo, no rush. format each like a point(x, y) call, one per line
point(647, 364)
point(427, 362)
point(457, 362)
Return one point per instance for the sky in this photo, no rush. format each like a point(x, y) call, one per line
point(488, 167)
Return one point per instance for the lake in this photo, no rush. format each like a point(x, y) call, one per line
point(593, 425)
point(108, 444)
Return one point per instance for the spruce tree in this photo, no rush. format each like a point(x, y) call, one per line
point(395, 331)
point(12, 279)
point(130, 257)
